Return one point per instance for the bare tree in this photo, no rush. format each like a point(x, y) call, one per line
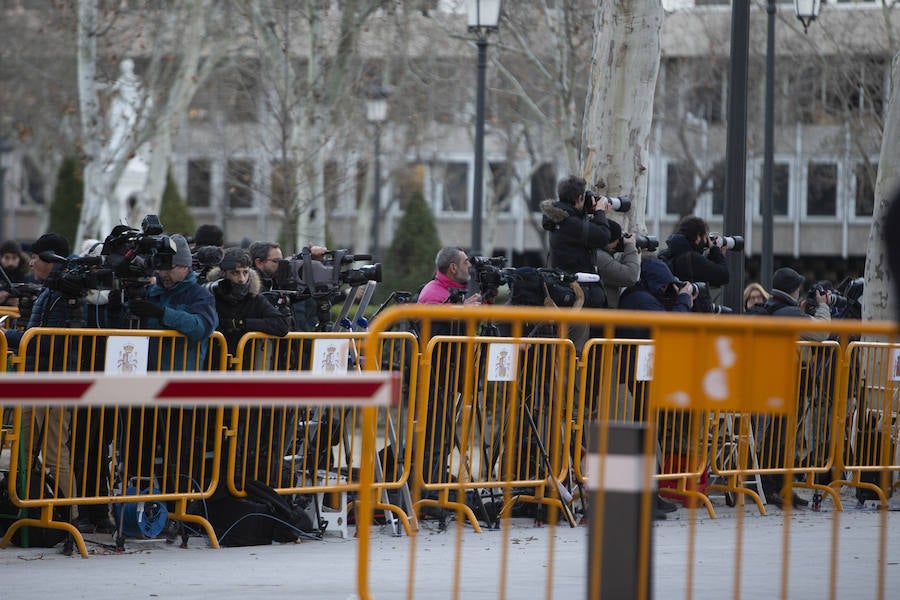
point(179, 60)
point(615, 147)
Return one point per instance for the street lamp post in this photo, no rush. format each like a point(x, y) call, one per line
point(483, 18)
point(806, 11)
point(376, 112)
point(6, 149)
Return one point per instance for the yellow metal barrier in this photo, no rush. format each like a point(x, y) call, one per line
point(495, 413)
point(316, 450)
point(872, 418)
point(161, 454)
point(704, 367)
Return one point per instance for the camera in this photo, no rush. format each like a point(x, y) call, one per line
point(487, 275)
point(835, 300)
point(729, 242)
point(616, 203)
point(304, 277)
point(698, 288)
point(643, 242)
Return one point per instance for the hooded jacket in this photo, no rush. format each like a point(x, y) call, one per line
point(239, 314)
point(688, 264)
point(574, 239)
point(652, 292)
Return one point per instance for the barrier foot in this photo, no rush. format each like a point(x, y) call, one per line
point(690, 495)
point(827, 489)
point(754, 496)
point(564, 509)
point(456, 506)
point(407, 527)
point(48, 524)
point(182, 515)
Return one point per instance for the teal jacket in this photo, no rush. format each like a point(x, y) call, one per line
point(190, 309)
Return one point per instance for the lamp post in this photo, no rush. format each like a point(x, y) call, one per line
point(376, 112)
point(806, 11)
point(6, 149)
point(483, 18)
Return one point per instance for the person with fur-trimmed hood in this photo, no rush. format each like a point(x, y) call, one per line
point(578, 227)
point(236, 288)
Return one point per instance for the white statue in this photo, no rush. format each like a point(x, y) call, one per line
point(126, 104)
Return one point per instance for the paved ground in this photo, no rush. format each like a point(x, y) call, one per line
point(327, 569)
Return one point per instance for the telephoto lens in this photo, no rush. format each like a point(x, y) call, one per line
point(619, 204)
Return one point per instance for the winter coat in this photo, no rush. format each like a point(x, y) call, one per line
point(252, 312)
point(189, 309)
point(652, 292)
point(618, 271)
point(688, 264)
point(574, 237)
point(781, 304)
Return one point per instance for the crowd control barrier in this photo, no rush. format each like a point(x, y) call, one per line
point(713, 382)
point(162, 454)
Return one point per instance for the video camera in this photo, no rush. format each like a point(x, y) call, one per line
point(842, 306)
point(128, 260)
point(308, 278)
point(487, 275)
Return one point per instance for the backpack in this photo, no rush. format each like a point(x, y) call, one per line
point(291, 520)
point(31, 537)
point(531, 287)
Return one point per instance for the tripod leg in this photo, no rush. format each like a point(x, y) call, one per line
point(564, 495)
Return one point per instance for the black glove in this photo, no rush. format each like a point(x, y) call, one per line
point(146, 309)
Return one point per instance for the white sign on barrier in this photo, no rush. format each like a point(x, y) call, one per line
point(127, 355)
point(249, 388)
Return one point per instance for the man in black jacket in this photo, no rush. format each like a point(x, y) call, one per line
point(578, 227)
point(236, 288)
point(785, 302)
point(693, 256)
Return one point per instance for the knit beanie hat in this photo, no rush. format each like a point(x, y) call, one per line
point(787, 280)
point(182, 256)
point(53, 242)
point(10, 247)
point(615, 231)
point(208, 235)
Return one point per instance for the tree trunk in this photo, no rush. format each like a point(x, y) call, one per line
point(876, 298)
point(625, 64)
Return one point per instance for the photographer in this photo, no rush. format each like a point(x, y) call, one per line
point(618, 263)
point(694, 255)
point(178, 302)
point(451, 277)
point(785, 302)
point(15, 265)
point(450, 281)
point(266, 257)
point(241, 308)
point(49, 428)
point(577, 226)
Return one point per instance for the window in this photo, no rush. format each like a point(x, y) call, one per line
point(543, 186)
point(679, 189)
point(284, 185)
point(781, 173)
point(821, 189)
point(238, 179)
point(454, 189)
point(408, 181)
point(865, 188)
point(198, 183)
point(501, 182)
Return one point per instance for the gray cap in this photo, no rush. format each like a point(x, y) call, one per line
point(182, 256)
